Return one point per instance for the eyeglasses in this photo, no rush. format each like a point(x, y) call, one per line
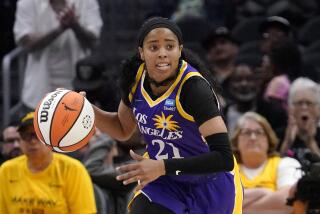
point(248, 133)
point(300, 103)
point(28, 136)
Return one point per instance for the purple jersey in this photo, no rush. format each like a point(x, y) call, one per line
point(170, 132)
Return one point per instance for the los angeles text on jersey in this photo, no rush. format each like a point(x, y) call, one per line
point(167, 135)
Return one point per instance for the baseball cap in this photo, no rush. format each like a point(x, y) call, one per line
point(276, 21)
point(219, 32)
point(26, 120)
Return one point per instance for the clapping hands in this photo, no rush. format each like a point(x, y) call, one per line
point(67, 17)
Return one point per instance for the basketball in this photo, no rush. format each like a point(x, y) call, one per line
point(64, 120)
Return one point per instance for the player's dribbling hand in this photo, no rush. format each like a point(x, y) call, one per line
point(144, 171)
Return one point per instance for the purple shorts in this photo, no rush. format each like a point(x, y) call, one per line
point(211, 194)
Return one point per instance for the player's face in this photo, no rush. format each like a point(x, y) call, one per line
point(30, 144)
point(161, 52)
point(252, 140)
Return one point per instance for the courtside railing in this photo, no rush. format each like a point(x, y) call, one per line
point(7, 68)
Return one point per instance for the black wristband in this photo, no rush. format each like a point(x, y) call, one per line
point(219, 158)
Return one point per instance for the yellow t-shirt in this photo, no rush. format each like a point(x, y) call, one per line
point(266, 179)
point(63, 187)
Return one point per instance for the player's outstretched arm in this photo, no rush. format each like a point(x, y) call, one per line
point(119, 125)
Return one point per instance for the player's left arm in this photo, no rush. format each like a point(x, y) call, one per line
point(198, 99)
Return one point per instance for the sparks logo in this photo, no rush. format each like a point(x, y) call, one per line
point(163, 122)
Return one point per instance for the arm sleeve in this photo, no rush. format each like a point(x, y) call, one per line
point(289, 172)
point(90, 17)
point(219, 158)
point(198, 99)
point(24, 22)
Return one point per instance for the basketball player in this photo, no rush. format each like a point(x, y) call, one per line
point(188, 166)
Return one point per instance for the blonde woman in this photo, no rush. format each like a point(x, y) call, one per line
point(266, 177)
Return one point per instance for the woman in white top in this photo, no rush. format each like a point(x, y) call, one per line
point(266, 177)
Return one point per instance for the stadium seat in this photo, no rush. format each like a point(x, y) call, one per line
point(253, 60)
point(310, 32)
point(194, 29)
point(247, 30)
point(313, 48)
point(311, 66)
point(251, 47)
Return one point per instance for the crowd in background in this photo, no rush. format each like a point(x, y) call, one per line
point(263, 55)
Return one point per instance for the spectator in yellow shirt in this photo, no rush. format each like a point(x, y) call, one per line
point(41, 181)
point(266, 177)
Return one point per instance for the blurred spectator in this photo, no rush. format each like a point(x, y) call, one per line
point(216, 12)
point(303, 133)
point(101, 162)
point(294, 10)
point(285, 66)
point(285, 61)
point(92, 77)
point(41, 181)
point(243, 88)
point(266, 177)
point(57, 33)
point(273, 29)
point(185, 8)
point(10, 147)
point(221, 50)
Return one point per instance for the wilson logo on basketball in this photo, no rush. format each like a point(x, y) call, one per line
point(46, 106)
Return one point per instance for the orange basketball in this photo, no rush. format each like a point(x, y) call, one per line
point(64, 120)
